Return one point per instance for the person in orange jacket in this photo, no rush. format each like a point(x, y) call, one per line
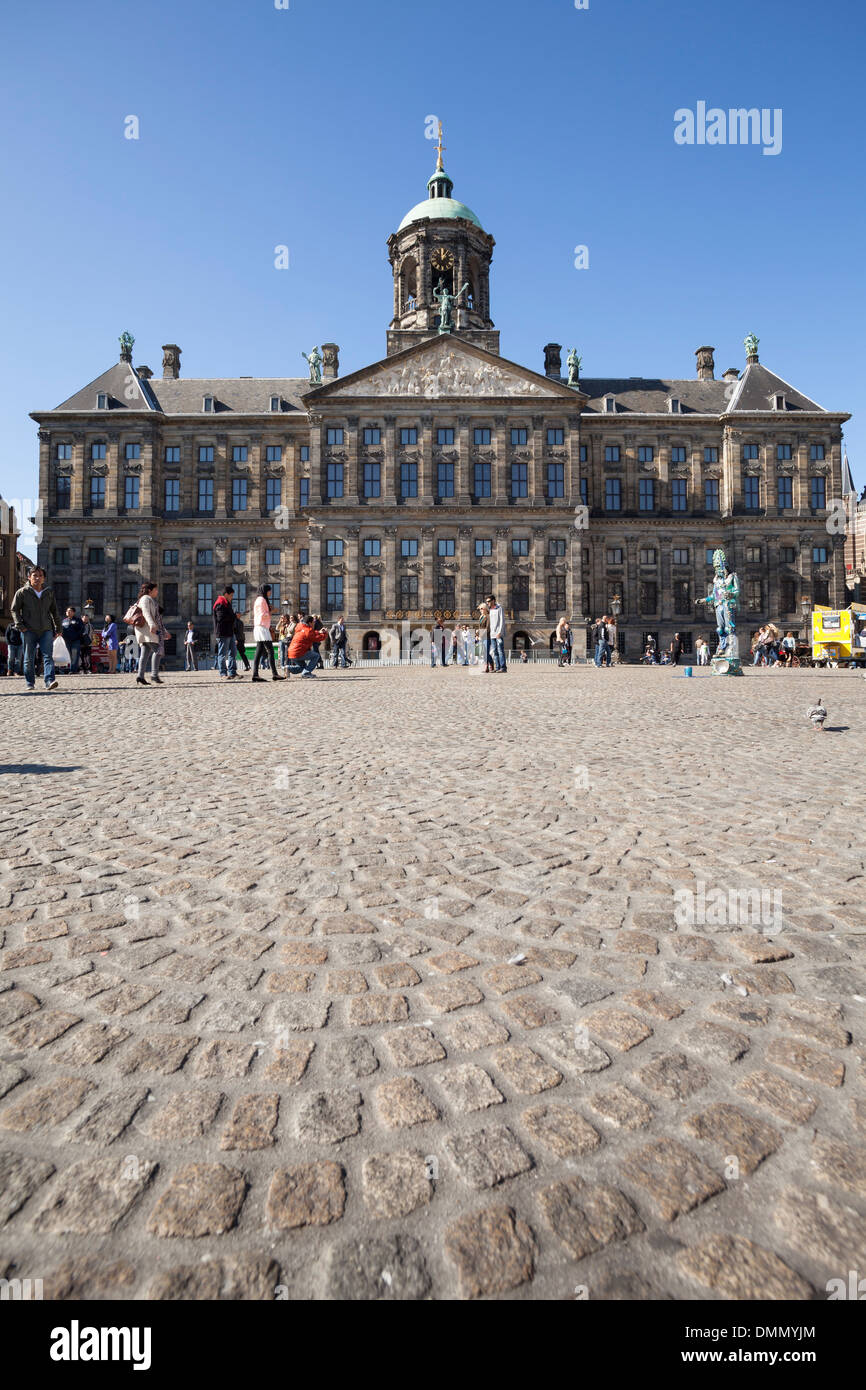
point(301, 645)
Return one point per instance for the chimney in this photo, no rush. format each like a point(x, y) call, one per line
point(145, 373)
point(706, 365)
point(730, 374)
point(553, 360)
point(170, 361)
point(330, 361)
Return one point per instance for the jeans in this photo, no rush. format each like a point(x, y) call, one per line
point(339, 654)
point(602, 653)
point(284, 652)
point(497, 653)
point(226, 656)
point(14, 660)
point(310, 661)
point(150, 649)
point(74, 649)
point(45, 642)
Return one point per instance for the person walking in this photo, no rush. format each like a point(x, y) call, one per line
point(73, 636)
point(224, 632)
point(437, 650)
point(283, 639)
point(34, 609)
point(339, 641)
point(497, 635)
point(262, 634)
point(676, 649)
point(484, 643)
point(189, 661)
point(304, 644)
point(87, 645)
point(563, 638)
point(703, 651)
point(14, 651)
point(240, 636)
point(109, 637)
point(148, 634)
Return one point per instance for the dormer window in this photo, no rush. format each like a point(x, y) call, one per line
point(101, 400)
point(779, 402)
point(275, 403)
point(207, 405)
point(610, 405)
point(674, 405)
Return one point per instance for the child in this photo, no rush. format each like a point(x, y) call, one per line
point(817, 714)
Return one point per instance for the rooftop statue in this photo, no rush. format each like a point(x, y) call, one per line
point(315, 363)
point(750, 343)
point(574, 365)
point(446, 301)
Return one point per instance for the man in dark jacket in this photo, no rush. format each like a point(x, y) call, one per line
point(601, 637)
point(240, 635)
point(14, 651)
point(224, 632)
point(73, 636)
point(339, 638)
point(676, 649)
point(34, 609)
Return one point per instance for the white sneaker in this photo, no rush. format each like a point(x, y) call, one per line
point(53, 685)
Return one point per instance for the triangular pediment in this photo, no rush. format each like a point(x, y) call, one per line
point(444, 367)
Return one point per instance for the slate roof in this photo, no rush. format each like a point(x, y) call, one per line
point(124, 388)
point(170, 396)
point(757, 387)
point(649, 395)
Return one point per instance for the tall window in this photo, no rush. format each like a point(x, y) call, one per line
point(819, 554)
point(334, 483)
point(444, 480)
point(556, 480)
point(97, 492)
point(484, 547)
point(789, 595)
point(556, 549)
point(750, 452)
point(482, 480)
point(205, 494)
point(443, 594)
point(646, 453)
point(372, 547)
point(95, 555)
point(239, 494)
point(372, 435)
point(647, 555)
point(304, 454)
point(518, 437)
point(611, 453)
point(816, 452)
point(519, 480)
point(711, 494)
point(683, 597)
point(445, 548)
point(334, 436)
point(172, 494)
point(172, 453)
point(520, 593)
point(409, 436)
point(205, 453)
point(273, 494)
point(240, 453)
point(204, 602)
point(679, 495)
point(303, 492)
point(372, 480)
point(97, 451)
point(480, 589)
point(408, 480)
point(334, 549)
point(372, 592)
point(711, 454)
point(584, 453)
point(408, 591)
point(556, 594)
point(519, 547)
point(584, 491)
point(63, 494)
point(128, 594)
point(445, 436)
point(783, 452)
point(239, 558)
point(204, 557)
point(751, 493)
point(817, 494)
point(647, 596)
point(680, 556)
point(409, 548)
point(787, 555)
point(647, 494)
point(59, 556)
point(482, 435)
point(678, 454)
point(171, 558)
point(785, 493)
point(303, 556)
point(95, 593)
point(168, 593)
point(133, 451)
point(274, 453)
point(304, 597)
point(131, 492)
point(754, 597)
point(273, 556)
point(612, 494)
point(821, 591)
point(334, 591)
point(555, 437)
point(64, 451)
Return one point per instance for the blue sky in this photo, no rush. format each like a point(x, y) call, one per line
point(306, 127)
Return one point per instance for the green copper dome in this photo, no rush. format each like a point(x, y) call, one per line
point(438, 207)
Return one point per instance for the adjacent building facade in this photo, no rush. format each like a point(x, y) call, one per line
point(419, 484)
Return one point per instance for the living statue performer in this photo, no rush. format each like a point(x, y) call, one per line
point(724, 597)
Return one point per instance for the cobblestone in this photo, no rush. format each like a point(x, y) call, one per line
point(431, 1028)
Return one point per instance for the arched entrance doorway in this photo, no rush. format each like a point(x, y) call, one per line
point(371, 646)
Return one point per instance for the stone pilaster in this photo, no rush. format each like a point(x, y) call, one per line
point(425, 597)
point(538, 577)
point(351, 593)
point(536, 479)
point(426, 481)
point(390, 480)
point(462, 482)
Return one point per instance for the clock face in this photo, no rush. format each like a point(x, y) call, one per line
point(442, 259)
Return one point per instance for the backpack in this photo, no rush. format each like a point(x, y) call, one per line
point(134, 616)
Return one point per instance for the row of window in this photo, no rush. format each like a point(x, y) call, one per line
point(171, 453)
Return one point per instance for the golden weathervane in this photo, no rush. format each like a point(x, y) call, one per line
point(440, 149)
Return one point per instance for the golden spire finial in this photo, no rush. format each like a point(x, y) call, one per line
point(440, 148)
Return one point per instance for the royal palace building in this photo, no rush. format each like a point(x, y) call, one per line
point(419, 484)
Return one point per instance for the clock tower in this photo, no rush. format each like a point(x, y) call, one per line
point(440, 258)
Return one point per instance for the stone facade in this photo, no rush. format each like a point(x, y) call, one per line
point(9, 532)
point(416, 485)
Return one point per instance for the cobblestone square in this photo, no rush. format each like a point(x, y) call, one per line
point(407, 984)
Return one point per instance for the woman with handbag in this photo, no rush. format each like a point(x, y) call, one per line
point(262, 634)
point(147, 630)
